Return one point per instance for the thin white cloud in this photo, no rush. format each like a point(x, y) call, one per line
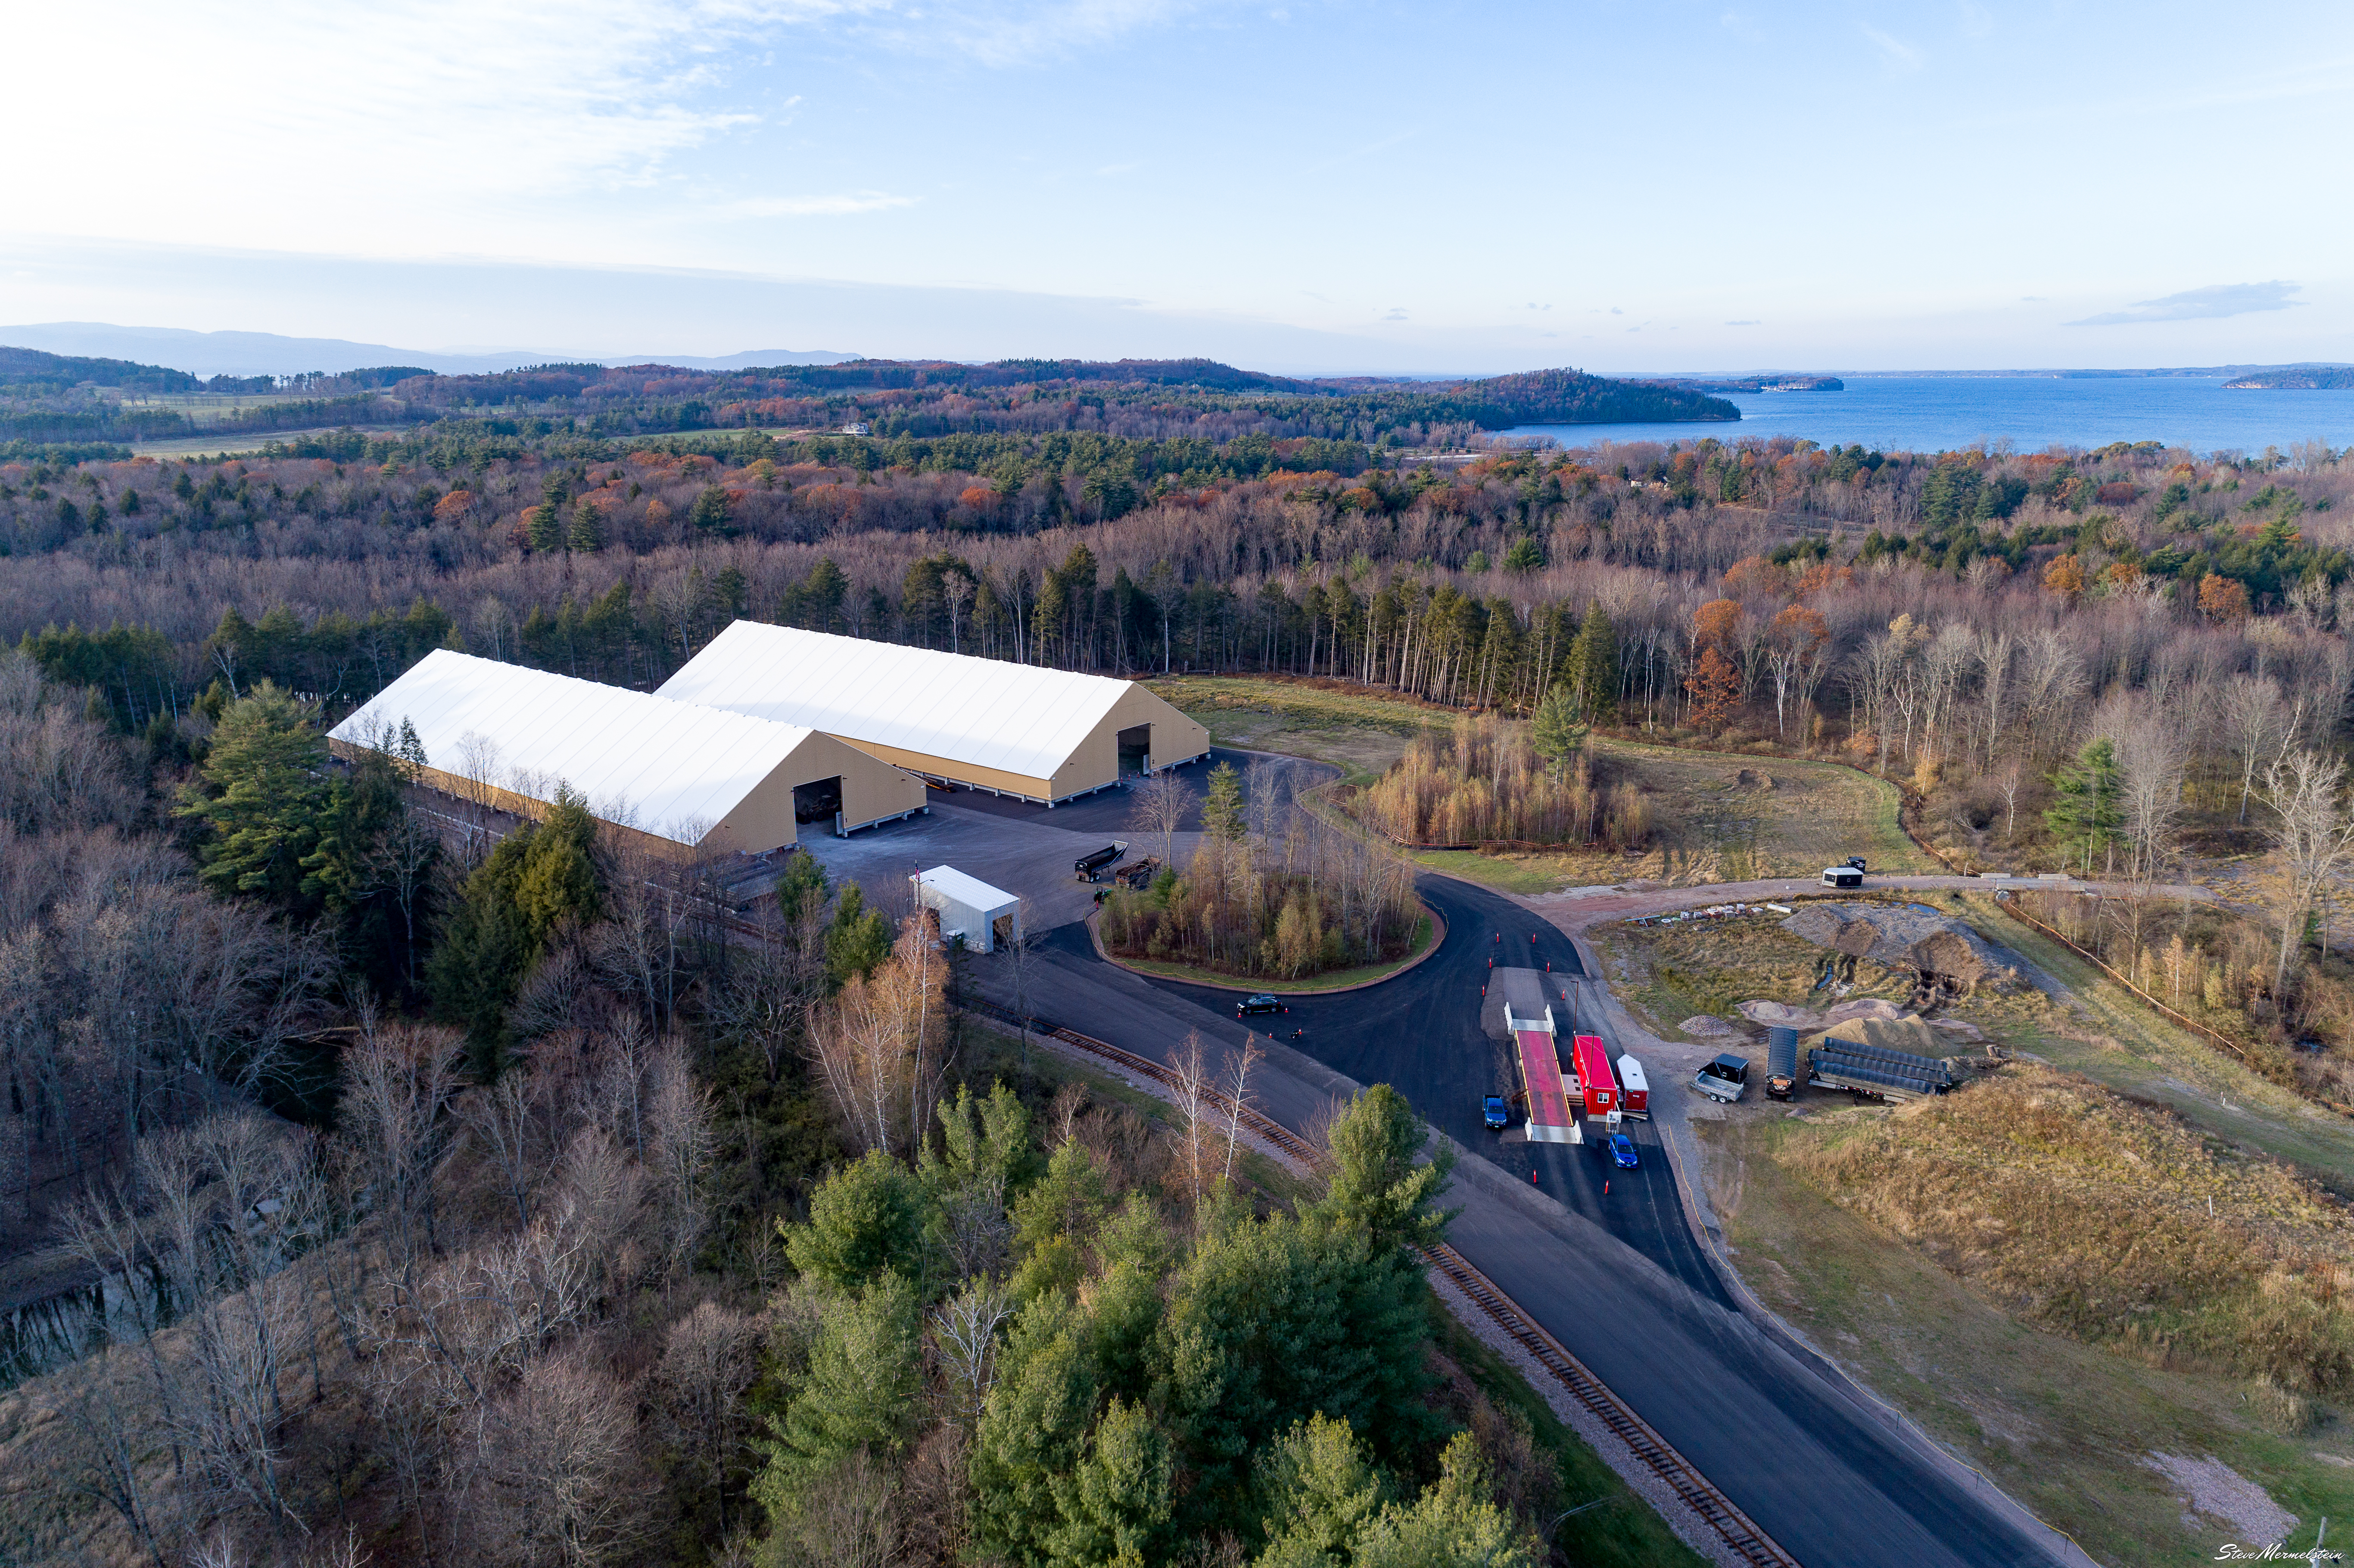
point(493, 108)
point(1742, 324)
point(1008, 34)
point(1900, 55)
point(2211, 303)
point(814, 206)
point(1976, 20)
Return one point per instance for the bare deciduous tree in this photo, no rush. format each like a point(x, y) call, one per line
point(1158, 806)
point(709, 1358)
point(2312, 835)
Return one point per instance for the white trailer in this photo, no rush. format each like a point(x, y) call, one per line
point(969, 907)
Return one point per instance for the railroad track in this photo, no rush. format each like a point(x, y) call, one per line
point(1655, 1453)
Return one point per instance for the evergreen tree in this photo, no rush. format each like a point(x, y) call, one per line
point(709, 514)
point(2086, 816)
point(1594, 664)
point(1559, 731)
point(1114, 1507)
point(1376, 1184)
point(372, 868)
point(1031, 1429)
point(1526, 555)
point(858, 941)
point(866, 1219)
point(1317, 1492)
point(1222, 805)
point(586, 535)
point(262, 798)
point(821, 595)
point(540, 878)
point(861, 1390)
point(544, 527)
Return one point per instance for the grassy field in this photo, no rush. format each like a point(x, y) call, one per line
point(244, 445)
point(2111, 1037)
point(1720, 818)
point(2066, 1427)
point(1359, 732)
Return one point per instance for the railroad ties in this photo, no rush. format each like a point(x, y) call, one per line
point(1658, 1456)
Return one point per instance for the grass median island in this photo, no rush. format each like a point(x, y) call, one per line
point(1429, 932)
point(2029, 1269)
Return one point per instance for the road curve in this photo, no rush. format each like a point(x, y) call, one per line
point(1616, 1273)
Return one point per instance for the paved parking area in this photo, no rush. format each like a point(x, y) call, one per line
point(1028, 855)
point(1025, 849)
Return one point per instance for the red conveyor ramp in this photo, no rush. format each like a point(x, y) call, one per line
point(1549, 1117)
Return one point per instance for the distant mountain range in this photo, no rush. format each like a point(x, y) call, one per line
point(209, 354)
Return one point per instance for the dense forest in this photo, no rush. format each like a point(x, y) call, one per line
point(58, 408)
point(600, 1237)
point(610, 1240)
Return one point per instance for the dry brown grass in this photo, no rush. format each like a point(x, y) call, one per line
point(2106, 1220)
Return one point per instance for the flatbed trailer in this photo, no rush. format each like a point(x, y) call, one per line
point(1550, 1118)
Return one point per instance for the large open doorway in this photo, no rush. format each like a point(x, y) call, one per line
point(817, 800)
point(1135, 749)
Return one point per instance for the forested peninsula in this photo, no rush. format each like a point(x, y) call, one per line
point(93, 406)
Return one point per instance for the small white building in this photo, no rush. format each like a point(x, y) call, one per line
point(969, 907)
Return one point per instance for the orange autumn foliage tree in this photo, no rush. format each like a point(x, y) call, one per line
point(1717, 624)
point(2223, 598)
point(1753, 575)
point(2065, 576)
point(1715, 686)
point(1823, 578)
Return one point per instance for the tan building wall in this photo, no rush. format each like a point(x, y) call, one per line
point(1094, 764)
point(872, 791)
point(960, 772)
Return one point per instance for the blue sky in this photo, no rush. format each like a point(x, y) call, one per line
point(1304, 187)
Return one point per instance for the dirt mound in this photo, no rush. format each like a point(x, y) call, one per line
point(1806, 1019)
point(1889, 1034)
point(1946, 955)
point(1707, 1027)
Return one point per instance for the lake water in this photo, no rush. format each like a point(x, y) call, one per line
point(1943, 413)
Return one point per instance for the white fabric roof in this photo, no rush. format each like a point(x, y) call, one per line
point(969, 891)
point(1015, 718)
point(668, 769)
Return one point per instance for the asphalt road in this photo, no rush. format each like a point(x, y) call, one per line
point(1617, 1277)
point(1420, 1033)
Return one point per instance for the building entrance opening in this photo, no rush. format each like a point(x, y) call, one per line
point(817, 800)
point(1135, 749)
point(1002, 932)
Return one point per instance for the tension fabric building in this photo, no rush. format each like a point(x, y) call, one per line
point(685, 778)
point(1016, 730)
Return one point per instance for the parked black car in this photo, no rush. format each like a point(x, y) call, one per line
point(1263, 1002)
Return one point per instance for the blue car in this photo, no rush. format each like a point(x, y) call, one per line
point(1622, 1150)
point(1497, 1115)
